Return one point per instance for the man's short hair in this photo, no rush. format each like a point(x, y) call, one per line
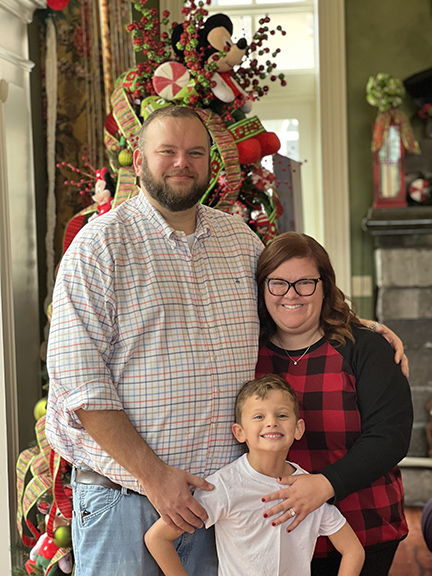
point(260, 387)
point(169, 112)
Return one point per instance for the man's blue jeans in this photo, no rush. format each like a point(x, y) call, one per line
point(108, 527)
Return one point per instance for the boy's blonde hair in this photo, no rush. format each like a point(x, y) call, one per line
point(260, 387)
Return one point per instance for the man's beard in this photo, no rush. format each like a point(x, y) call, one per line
point(166, 195)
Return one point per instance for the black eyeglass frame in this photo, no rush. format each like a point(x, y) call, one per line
point(293, 285)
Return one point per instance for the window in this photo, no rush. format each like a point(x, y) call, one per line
point(290, 111)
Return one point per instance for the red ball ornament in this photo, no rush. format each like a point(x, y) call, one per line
point(58, 4)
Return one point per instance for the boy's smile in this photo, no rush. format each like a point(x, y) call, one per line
point(268, 424)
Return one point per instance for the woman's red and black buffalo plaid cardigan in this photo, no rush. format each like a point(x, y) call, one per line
point(358, 413)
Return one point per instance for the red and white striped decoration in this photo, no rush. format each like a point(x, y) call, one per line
point(169, 78)
point(420, 190)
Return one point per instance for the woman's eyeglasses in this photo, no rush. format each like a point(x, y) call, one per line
point(302, 287)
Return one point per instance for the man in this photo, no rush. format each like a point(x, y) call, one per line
point(154, 329)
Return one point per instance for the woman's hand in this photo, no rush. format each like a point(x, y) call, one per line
point(306, 493)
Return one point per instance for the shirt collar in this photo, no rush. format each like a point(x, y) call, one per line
point(203, 225)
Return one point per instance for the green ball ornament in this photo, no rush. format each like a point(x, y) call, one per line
point(39, 409)
point(125, 158)
point(63, 537)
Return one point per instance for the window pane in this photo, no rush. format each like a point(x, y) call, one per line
point(297, 46)
point(288, 132)
point(242, 27)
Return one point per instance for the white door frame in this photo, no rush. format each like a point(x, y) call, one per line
point(334, 146)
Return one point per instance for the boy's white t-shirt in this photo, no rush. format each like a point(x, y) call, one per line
point(247, 543)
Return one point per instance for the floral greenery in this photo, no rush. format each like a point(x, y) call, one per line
point(156, 47)
point(385, 92)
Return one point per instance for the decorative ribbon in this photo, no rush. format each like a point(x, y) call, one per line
point(126, 185)
point(386, 93)
point(76, 223)
point(123, 112)
point(46, 467)
point(246, 128)
point(381, 129)
point(227, 151)
point(24, 462)
point(36, 462)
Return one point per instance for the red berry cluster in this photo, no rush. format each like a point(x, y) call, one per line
point(201, 71)
point(149, 40)
point(251, 73)
point(156, 47)
point(84, 185)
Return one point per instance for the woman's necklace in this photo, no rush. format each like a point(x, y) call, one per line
point(295, 362)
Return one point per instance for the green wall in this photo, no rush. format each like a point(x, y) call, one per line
point(391, 36)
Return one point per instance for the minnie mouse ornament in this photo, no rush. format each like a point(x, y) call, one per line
point(104, 190)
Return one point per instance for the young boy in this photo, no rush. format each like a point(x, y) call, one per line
point(267, 420)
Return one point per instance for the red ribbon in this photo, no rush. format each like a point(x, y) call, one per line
point(382, 125)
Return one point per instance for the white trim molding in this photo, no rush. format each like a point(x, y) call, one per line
point(334, 146)
point(23, 63)
point(23, 9)
point(8, 380)
point(19, 310)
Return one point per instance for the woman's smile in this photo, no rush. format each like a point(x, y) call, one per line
point(297, 317)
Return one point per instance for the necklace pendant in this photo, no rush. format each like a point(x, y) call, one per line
point(295, 362)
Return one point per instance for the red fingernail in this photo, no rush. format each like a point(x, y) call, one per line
point(280, 479)
point(289, 531)
point(262, 499)
point(273, 523)
point(265, 515)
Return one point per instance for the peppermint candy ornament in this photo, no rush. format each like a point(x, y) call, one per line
point(169, 78)
point(420, 190)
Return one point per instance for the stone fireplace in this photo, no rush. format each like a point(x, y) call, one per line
point(403, 260)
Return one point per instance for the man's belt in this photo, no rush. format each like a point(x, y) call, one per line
point(93, 478)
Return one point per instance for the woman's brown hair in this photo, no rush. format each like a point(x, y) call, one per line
point(336, 315)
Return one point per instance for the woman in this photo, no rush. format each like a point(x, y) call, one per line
point(355, 401)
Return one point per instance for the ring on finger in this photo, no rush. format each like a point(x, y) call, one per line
point(292, 512)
